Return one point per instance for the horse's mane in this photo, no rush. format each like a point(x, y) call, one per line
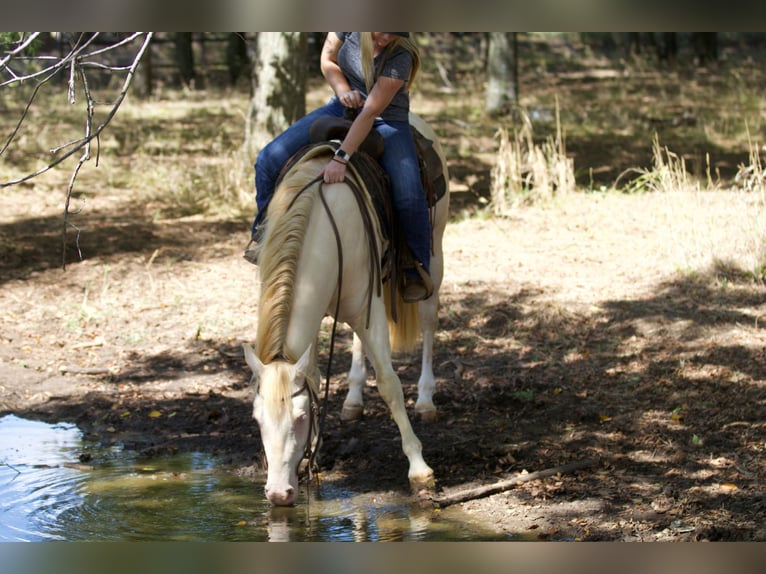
point(286, 222)
point(275, 388)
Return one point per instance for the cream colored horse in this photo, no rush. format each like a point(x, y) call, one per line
point(299, 266)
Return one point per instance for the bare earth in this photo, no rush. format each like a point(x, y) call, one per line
point(598, 327)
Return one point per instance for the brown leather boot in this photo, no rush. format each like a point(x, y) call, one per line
point(417, 286)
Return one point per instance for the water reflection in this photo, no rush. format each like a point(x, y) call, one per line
point(46, 493)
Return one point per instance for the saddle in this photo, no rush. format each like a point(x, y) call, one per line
point(328, 132)
point(331, 128)
point(365, 163)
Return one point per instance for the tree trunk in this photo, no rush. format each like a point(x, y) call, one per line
point(185, 58)
point(142, 83)
point(705, 47)
point(279, 85)
point(236, 56)
point(502, 76)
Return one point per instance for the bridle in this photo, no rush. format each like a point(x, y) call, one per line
point(309, 452)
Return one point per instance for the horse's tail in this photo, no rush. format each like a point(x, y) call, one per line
point(404, 332)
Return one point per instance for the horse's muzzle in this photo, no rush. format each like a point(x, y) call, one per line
point(282, 496)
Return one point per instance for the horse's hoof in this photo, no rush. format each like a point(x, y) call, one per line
point(351, 413)
point(427, 415)
point(421, 486)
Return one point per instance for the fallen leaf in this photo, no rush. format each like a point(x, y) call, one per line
point(155, 414)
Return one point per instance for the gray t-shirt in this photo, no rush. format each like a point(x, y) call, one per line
point(396, 64)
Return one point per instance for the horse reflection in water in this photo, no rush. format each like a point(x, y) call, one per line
point(353, 519)
point(316, 239)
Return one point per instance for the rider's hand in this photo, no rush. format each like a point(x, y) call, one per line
point(334, 171)
point(351, 99)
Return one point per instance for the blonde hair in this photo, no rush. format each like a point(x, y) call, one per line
point(370, 74)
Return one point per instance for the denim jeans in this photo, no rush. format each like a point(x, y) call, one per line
point(399, 160)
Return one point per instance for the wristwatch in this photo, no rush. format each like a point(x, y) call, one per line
point(345, 156)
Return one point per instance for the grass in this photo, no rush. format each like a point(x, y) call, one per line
point(751, 176)
point(183, 156)
point(730, 239)
point(528, 173)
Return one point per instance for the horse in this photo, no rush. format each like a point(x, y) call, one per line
point(312, 266)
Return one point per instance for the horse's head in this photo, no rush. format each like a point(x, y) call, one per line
point(285, 408)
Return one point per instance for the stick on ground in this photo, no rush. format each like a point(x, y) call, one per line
point(489, 489)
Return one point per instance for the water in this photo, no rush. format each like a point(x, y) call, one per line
point(47, 493)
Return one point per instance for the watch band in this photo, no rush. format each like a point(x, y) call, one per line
point(345, 156)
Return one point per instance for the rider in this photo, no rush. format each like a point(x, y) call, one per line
point(371, 74)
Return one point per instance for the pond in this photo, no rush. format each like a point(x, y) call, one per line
point(56, 486)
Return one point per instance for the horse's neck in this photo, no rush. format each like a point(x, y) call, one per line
point(317, 277)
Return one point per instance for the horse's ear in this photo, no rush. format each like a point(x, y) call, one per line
point(304, 363)
point(253, 361)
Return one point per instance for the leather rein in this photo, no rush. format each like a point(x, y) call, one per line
point(317, 428)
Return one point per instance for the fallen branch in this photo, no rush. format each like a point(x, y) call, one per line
point(85, 370)
point(502, 486)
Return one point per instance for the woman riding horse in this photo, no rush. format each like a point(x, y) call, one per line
point(371, 74)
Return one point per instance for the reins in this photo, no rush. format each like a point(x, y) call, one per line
point(375, 274)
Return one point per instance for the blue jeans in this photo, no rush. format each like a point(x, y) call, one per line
point(399, 160)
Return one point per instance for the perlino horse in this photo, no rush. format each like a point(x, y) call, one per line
point(311, 266)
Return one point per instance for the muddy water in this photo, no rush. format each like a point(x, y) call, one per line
point(49, 491)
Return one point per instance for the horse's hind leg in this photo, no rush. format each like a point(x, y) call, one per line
point(427, 384)
point(357, 376)
point(429, 310)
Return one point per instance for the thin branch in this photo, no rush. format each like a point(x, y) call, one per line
point(502, 486)
point(114, 46)
point(75, 63)
point(60, 63)
point(51, 71)
point(85, 157)
point(94, 133)
point(21, 47)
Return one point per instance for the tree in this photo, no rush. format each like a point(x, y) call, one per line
point(184, 55)
point(87, 54)
point(237, 60)
point(502, 73)
point(279, 85)
point(705, 47)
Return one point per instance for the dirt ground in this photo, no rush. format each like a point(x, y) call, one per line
point(579, 330)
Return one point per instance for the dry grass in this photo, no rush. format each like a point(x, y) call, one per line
point(526, 173)
point(731, 236)
point(751, 177)
point(182, 155)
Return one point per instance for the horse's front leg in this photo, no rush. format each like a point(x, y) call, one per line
point(357, 376)
point(376, 344)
